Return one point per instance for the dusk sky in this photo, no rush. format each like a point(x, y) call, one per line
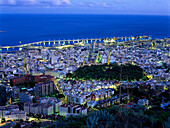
point(146, 7)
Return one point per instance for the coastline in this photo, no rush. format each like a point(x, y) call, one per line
point(80, 42)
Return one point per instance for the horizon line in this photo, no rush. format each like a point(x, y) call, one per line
point(85, 14)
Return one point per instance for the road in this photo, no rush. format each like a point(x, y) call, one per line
point(36, 119)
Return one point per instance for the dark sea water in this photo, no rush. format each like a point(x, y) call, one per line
point(37, 27)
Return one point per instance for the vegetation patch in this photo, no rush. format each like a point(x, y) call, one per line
point(109, 72)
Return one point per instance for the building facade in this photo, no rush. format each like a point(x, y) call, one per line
point(36, 108)
point(44, 89)
point(5, 109)
point(72, 109)
point(52, 101)
point(15, 92)
point(15, 115)
point(25, 97)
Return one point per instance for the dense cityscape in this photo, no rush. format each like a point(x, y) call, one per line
point(108, 83)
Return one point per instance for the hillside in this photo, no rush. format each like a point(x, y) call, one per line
point(109, 72)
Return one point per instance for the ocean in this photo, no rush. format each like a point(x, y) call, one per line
point(38, 27)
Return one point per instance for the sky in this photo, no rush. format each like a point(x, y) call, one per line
point(141, 7)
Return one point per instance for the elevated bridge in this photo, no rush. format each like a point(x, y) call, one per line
point(51, 43)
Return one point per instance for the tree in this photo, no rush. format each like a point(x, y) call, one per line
point(34, 124)
point(17, 125)
point(38, 116)
point(21, 120)
point(153, 120)
point(3, 120)
point(149, 112)
point(108, 72)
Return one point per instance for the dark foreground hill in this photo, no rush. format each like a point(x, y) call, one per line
point(109, 72)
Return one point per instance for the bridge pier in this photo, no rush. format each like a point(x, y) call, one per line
point(44, 43)
point(40, 43)
point(64, 42)
point(87, 41)
point(59, 42)
point(20, 48)
point(68, 42)
point(83, 41)
point(54, 42)
point(49, 43)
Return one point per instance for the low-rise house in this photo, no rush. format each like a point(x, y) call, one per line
point(76, 99)
point(91, 103)
point(72, 109)
point(143, 102)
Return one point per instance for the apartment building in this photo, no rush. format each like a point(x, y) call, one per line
point(52, 101)
point(25, 97)
point(43, 89)
point(36, 108)
point(4, 109)
point(15, 115)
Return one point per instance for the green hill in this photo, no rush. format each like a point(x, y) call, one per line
point(109, 72)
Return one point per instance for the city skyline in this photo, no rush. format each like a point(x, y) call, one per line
point(145, 7)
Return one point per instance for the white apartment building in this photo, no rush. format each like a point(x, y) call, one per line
point(35, 108)
point(52, 101)
point(15, 115)
point(4, 109)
